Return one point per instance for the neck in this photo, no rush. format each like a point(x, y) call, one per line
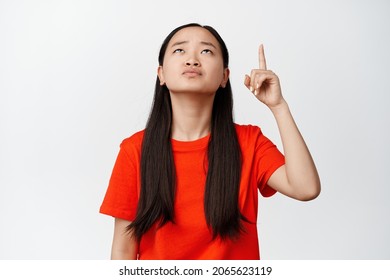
point(191, 116)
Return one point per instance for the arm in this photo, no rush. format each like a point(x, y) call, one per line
point(298, 178)
point(124, 246)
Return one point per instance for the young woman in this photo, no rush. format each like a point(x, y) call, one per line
point(187, 186)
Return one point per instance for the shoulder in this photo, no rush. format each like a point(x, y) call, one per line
point(133, 142)
point(247, 131)
point(249, 136)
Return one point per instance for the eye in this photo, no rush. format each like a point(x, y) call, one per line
point(207, 51)
point(178, 51)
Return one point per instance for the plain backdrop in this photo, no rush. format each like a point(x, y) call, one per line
point(77, 77)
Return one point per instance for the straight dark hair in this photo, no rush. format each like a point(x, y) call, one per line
point(158, 178)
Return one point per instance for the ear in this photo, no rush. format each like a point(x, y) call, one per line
point(160, 75)
point(226, 73)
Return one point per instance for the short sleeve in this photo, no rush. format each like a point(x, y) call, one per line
point(267, 159)
point(121, 197)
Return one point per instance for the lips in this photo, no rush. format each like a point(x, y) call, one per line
point(192, 73)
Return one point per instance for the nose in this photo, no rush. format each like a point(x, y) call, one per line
point(192, 61)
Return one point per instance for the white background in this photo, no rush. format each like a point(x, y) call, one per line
point(77, 77)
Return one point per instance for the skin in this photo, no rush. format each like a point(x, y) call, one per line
point(124, 247)
point(298, 178)
point(192, 96)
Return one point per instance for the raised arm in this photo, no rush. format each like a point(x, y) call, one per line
point(298, 178)
point(124, 247)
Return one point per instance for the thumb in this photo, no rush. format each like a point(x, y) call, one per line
point(247, 81)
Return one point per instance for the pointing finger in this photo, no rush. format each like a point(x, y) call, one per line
point(262, 62)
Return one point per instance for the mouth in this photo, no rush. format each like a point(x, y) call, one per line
point(192, 73)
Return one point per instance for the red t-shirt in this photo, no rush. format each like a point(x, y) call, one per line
point(189, 237)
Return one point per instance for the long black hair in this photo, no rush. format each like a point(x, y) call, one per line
point(158, 184)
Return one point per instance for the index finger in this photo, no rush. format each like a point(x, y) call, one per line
point(262, 62)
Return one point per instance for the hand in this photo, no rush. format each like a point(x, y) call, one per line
point(264, 84)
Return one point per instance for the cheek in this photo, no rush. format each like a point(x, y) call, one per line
point(218, 74)
point(172, 80)
point(167, 73)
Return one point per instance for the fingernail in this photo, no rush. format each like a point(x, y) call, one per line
point(251, 89)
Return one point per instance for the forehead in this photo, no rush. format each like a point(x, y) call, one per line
point(194, 34)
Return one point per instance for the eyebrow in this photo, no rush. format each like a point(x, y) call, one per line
point(202, 42)
point(208, 44)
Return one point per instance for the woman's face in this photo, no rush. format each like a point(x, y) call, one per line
point(193, 63)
